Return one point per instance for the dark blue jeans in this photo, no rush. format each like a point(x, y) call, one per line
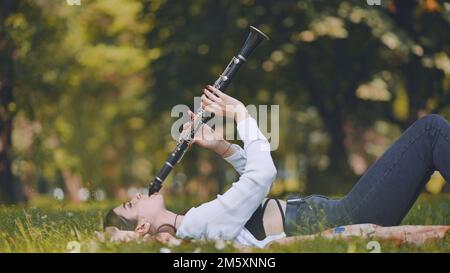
point(389, 188)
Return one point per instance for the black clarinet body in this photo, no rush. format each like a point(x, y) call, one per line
point(254, 38)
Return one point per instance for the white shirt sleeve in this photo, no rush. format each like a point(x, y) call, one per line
point(225, 216)
point(238, 159)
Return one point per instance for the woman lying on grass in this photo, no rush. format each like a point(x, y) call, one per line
point(243, 214)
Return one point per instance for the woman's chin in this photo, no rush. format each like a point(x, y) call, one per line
point(156, 196)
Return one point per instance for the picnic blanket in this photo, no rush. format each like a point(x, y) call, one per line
point(413, 234)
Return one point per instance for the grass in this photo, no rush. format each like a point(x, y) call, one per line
point(52, 226)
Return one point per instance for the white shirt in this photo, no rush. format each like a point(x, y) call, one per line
point(224, 218)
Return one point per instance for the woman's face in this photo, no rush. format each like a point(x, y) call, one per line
point(142, 208)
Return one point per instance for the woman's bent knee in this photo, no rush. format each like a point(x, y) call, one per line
point(431, 120)
point(435, 118)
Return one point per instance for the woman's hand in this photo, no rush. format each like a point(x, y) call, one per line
point(215, 101)
point(167, 239)
point(206, 137)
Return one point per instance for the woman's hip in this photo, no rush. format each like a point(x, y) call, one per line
point(314, 213)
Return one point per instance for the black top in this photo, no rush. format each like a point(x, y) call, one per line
point(255, 223)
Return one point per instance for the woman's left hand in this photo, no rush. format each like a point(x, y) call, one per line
point(215, 101)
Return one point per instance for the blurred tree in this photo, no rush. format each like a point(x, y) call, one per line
point(424, 73)
point(94, 85)
point(10, 191)
point(83, 83)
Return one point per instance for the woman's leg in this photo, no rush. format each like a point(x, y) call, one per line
point(389, 188)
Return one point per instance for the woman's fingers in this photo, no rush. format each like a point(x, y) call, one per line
point(186, 125)
point(206, 101)
point(211, 96)
point(214, 108)
point(191, 114)
point(216, 91)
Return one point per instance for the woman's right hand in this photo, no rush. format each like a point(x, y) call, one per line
point(215, 101)
point(206, 137)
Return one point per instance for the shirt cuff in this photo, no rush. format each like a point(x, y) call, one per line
point(236, 156)
point(238, 159)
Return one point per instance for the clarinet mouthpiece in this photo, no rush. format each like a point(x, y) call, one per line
point(155, 186)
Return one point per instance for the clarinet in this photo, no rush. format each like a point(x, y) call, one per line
point(254, 38)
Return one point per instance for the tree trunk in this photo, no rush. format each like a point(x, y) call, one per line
point(10, 191)
point(338, 177)
point(72, 181)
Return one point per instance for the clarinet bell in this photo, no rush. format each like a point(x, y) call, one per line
point(254, 38)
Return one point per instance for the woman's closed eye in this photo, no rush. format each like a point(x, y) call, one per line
point(127, 205)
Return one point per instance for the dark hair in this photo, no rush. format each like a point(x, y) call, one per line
point(112, 219)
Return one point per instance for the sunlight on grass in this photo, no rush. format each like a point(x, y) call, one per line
point(51, 226)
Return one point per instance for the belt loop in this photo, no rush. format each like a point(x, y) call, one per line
point(295, 199)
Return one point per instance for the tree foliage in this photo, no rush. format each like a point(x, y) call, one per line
point(94, 86)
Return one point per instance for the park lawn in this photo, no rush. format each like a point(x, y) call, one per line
point(54, 226)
